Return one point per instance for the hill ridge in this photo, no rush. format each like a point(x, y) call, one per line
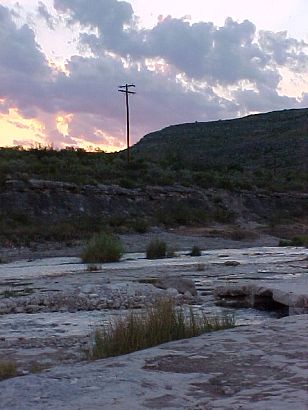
point(232, 120)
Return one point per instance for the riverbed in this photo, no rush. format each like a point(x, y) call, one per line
point(62, 333)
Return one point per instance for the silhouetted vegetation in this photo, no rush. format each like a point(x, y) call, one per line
point(266, 151)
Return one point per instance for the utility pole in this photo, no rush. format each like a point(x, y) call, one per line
point(125, 89)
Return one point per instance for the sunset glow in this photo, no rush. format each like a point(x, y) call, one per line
point(63, 122)
point(190, 61)
point(16, 130)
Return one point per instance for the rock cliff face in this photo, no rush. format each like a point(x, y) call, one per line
point(50, 200)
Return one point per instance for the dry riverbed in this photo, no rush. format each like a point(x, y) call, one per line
point(49, 308)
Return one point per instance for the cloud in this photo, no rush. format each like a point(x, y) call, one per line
point(108, 16)
point(177, 66)
point(45, 15)
point(262, 101)
point(285, 51)
point(18, 50)
point(218, 55)
point(23, 67)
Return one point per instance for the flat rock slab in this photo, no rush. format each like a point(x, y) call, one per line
point(257, 367)
point(290, 293)
point(263, 257)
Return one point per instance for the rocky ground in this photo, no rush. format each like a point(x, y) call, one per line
point(217, 236)
point(50, 307)
point(256, 367)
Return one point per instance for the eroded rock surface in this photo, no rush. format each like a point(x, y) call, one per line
point(55, 200)
point(293, 294)
point(50, 308)
point(182, 285)
point(257, 367)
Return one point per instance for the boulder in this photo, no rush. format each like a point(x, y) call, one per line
point(182, 285)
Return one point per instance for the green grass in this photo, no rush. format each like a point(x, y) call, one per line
point(161, 323)
point(156, 249)
point(102, 248)
point(7, 369)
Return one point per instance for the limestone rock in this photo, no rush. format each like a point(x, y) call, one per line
point(182, 285)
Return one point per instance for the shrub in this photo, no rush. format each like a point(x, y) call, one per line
point(7, 370)
point(127, 183)
point(140, 225)
point(223, 215)
point(195, 251)
point(161, 323)
point(284, 242)
point(180, 214)
point(117, 220)
point(301, 240)
point(156, 249)
point(102, 248)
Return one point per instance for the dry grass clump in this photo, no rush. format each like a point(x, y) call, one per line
point(102, 248)
point(195, 251)
point(156, 249)
point(7, 369)
point(161, 323)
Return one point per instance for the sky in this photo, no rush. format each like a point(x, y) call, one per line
point(61, 62)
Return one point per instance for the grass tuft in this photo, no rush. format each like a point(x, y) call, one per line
point(7, 370)
point(156, 249)
point(102, 248)
point(161, 323)
point(195, 251)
